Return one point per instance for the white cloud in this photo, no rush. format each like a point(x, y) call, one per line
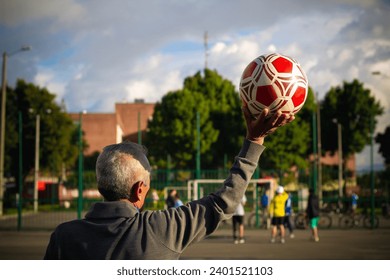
point(46, 78)
point(151, 88)
point(139, 89)
point(343, 56)
point(17, 12)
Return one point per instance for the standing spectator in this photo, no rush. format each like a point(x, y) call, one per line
point(264, 208)
point(178, 201)
point(238, 219)
point(277, 212)
point(354, 200)
point(313, 212)
point(155, 198)
point(287, 218)
point(170, 201)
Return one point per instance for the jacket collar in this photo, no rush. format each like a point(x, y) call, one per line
point(111, 209)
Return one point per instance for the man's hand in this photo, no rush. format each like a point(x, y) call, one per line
point(259, 128)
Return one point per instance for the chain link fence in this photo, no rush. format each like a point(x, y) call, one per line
point(60, 202)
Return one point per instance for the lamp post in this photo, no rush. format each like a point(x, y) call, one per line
point(319, 151)
point(81, 165)
point(2, 134)
point(340, 155)
point(36, 171)
point(372, 181)
point(37, 148)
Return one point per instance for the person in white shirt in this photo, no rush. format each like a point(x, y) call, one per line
point(238, 220)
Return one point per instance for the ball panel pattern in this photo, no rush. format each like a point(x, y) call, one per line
point(274, 81)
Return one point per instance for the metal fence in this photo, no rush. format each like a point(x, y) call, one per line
point(61, 202)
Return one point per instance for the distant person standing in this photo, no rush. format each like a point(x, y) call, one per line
point(278, 212)
point(155, 198)
point(354, 201)
point(313, 212)
point(178, 201)
point(238, 220)
point(264, 208)
point(170, 201)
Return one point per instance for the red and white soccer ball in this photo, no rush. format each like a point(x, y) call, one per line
point(273, 81)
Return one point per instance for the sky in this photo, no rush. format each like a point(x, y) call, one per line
point(92, 54)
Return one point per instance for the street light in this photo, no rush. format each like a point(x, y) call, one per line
point(2, 132)
point(340, 155)
point(37, 146)
point(36, 171)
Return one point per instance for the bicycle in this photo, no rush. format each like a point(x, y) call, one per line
point(251, 220)
point(324, 222)
point(354, 220)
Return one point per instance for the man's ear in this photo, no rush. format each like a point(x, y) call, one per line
point(137, 192)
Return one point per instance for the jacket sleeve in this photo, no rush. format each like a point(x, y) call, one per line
point(50, 251)
point(179, 227)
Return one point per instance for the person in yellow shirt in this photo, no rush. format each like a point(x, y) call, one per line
point(277, 212)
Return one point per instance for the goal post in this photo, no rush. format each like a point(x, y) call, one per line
point(197, 188)
point(194, 191)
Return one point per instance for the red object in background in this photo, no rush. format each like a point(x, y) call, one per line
point(41, 186)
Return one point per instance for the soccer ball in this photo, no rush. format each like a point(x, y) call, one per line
point(273, 81)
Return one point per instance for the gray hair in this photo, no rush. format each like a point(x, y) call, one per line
point(119, 167)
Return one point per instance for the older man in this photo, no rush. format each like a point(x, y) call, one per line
point(117, 229)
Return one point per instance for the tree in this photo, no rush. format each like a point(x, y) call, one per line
point(172, 131)
point(354, 108)
point(57, 130)
point(383, 139)
point(225, 114)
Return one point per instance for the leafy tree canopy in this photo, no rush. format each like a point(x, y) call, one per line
point(172, 131)
point(383, 139)
point(354, 108)
point(57, 131)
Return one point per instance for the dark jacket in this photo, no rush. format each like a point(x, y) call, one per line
point(117, 230)
point(313, 208)
point(170, 202)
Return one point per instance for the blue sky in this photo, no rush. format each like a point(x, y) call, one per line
point(92, 54)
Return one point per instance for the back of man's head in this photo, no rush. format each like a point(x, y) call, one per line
point(119, 167)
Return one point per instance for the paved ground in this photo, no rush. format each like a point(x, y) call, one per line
point(335, 243)
point(354, 244)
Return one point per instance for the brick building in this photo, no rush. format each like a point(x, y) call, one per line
point(102, 129)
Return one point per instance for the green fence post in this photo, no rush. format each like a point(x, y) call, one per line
point(20, 172)
point(314, 126)
point(168, 171)
point(372, 172)
point(197, 145)
point(80, 177)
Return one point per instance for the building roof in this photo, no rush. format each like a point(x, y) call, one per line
point(102, 129)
